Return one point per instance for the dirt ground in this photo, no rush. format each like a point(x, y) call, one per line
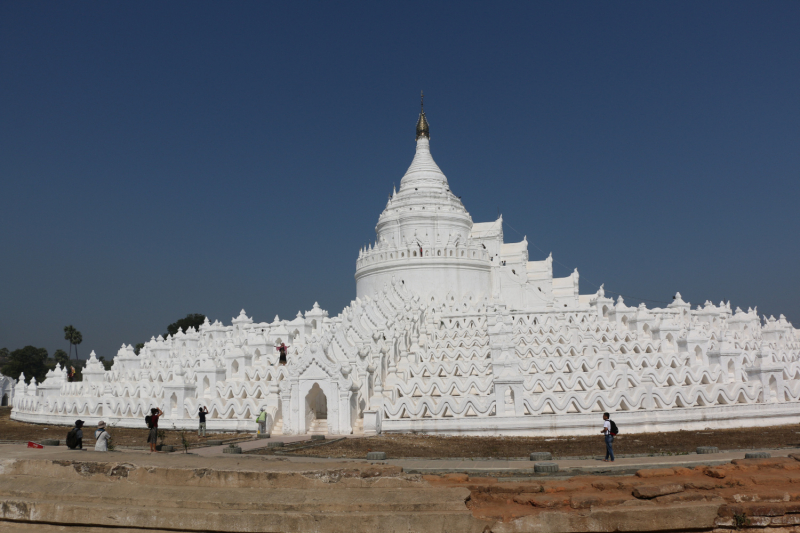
point(679, 442)
point(11, 430)
point(752, 490)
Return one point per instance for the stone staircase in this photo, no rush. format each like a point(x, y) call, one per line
point(318, 427)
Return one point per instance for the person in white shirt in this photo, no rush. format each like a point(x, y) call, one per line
point(101, 437)
point(609, 438)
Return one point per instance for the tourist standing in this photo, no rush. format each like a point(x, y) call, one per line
point(609, 437)
point(152, 435)
point(201, 431)
point(75, 436)
point(71, 374)
point(262, 422)
point(282, 350)
point(101, 437)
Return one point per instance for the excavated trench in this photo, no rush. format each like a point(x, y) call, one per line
point(63, 491)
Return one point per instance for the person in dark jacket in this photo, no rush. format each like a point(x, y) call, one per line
point(282, 351)
point(609, 438)
point(152, 435)
point(201, 429)
point(75, 436)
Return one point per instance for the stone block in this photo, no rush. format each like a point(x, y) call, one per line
point(213, 442)
point(50, 442)
point(759, 509)
point(376, 456)
point(785, 520)
point(234, 450)
point(757, 455)
point(655, 472)
point(545, 467)
point(605, 485)
point(707, 449)
point(648, 492)
point(587, 501)
point(700, 484)
point(317, 437)
point(275, 445)
point(773, 462)
point(767, 481)
point(715, 473)
point(263, 436)
point(541, 456)
point(549, 501)
point(771, 496)
point(682, 497)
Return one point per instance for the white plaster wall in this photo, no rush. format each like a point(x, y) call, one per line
point(429, 277)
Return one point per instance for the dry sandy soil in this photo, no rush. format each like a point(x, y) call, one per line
point(11, 430)
point(679, 442)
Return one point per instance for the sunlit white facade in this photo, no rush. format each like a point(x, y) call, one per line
point(452, 331)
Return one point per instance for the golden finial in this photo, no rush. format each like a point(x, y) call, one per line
point(423, 130)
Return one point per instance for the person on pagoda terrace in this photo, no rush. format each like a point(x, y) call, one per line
point(282, 349)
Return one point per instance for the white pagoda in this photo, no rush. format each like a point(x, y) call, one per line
point(453, 331)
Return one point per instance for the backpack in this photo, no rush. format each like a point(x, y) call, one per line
point(147, 420)
point(614, 429)
point(72, 438)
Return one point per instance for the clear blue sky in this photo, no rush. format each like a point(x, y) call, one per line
point(159, 159)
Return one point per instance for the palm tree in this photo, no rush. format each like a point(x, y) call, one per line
point(77, 338)
point(69, 332)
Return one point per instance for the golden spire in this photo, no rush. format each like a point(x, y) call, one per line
point(423, 130)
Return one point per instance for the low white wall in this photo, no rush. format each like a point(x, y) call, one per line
point(689, 419)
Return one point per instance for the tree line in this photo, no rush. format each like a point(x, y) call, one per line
point(35, 362)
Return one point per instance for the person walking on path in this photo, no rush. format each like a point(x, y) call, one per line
point(75, 436)
point(282, 350)
point(262, 422)
point(152, 436)
point(609, 437)
point(201, 431)
point(101, 437)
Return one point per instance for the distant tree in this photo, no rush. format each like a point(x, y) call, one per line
point(61, 357)
point(77, 338)
point(106, 364)
point(69, 332)
point(190, 321)
point(3, 356)
point(31, 360)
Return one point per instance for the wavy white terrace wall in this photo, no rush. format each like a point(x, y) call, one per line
point(398, 364)
point(469, 336)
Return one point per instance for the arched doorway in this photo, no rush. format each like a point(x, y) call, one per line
point(316, 410)
point(4, 402)
point(773, 389)
point(509, 402)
